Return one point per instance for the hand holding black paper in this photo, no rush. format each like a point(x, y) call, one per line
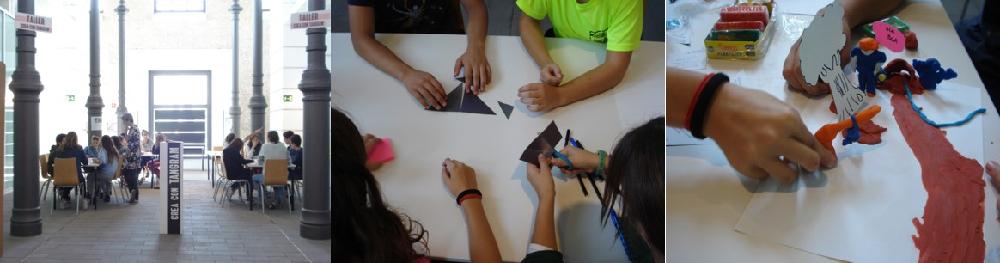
point(540, 177)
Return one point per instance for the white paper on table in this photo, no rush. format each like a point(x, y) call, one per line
point(690, 59)
point(862, 210)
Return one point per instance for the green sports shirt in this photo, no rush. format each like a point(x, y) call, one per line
point(617, 23)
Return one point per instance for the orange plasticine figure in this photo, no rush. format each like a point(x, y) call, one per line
point(826, 133)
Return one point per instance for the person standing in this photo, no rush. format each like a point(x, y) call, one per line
point(132, 154)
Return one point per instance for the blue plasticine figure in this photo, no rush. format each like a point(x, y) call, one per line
point(853, 133)
point(868, 61)
point(931, 73)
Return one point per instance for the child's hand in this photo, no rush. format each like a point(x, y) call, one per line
point(457, 176)
point(760, 134)
point(477, 70)
point(425, 88)
point(793, 68)
point(551, 74)
point(583, 160)
point(540, 178)
point(540, 97)
point(993, 169)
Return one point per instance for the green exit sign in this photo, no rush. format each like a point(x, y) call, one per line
point(287, 98)
point(70, 98)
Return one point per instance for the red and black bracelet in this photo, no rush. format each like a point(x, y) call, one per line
point(702, 99)
point(471, 193)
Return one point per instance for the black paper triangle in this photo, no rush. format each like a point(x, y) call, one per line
point(543, 143)
point(459, 101)
point(506, 108)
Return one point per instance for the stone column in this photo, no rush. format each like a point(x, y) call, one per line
point(257, 101)
point(121, 10)
point(94, 101)
point(26, 84)
point(234, 111)
point(315, 87)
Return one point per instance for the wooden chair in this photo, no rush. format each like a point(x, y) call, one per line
point(275, 175)
point(43, 164)
point(65, 175)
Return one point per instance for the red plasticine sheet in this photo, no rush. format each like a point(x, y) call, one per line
point(952, 228)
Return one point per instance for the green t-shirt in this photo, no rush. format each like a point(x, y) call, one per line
point(618, 23)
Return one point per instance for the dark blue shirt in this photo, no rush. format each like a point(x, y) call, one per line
point(295, 157)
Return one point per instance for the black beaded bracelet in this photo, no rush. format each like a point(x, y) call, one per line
point(700, 112)
point(458, 199)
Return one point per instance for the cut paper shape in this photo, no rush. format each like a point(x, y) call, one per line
point(889, 36)
point(382, 152)
point(952, 225)
point(460, 101)
point(819, 54)
point(543, 143)
point(506, 108)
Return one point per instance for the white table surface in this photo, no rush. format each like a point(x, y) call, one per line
point(492, 144)
point(703, 230)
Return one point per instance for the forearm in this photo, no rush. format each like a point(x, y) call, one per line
point(544, 232)
point(475, 32)
point(482, 244)
point(857, 12)
point(594, 82)
point(681, 86)
point(380, 56)
point(534, 41)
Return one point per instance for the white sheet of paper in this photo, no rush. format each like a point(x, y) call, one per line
point(862, 210)
point(691, 59)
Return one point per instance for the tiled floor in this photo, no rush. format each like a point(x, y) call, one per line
point(119, 232)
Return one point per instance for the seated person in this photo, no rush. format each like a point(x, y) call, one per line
point(54, 151)
point(234, 162)
point(70, 149)
point(287, 135)
point(273, 150)
point(153, 165)
point(618, 24)
point(368, 17)
point(92, 149)
point(295, 157)
point(111, 161)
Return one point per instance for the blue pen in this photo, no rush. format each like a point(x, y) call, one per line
point(614, 215)
point(621, 236)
